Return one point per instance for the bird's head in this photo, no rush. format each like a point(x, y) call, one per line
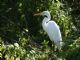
point(44, 14)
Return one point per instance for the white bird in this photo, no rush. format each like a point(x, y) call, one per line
point(51, 28)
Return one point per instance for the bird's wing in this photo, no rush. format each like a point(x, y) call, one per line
point(53, 31)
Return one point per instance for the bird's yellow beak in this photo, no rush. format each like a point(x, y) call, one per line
point(37, 14)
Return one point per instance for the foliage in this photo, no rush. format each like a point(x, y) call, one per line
point(22, 36)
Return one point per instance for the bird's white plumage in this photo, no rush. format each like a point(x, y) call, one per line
point(52, 29)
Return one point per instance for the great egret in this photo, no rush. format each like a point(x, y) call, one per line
point(51, 28)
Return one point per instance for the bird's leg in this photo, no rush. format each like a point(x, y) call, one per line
point(55, 48)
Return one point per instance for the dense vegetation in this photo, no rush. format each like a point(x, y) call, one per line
point(22, 36)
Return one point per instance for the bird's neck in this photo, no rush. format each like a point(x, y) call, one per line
point(44, 22)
